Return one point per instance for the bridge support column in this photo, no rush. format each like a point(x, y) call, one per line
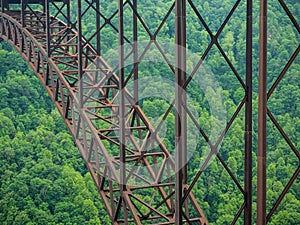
point(248, 120)
point(135, 53)
point(47, 27)
point(180, 114)
point(262, 115)
point(122, 112)
point(80, 52)
point(23, 7)
point(48, 37)
point(4, 4)
point(98, 38)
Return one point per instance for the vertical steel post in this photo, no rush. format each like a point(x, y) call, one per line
point(69, 13)
point(122, 109)
point(2, 25)
point(80, 52)
point(248, 120)
point(98, 45)
point(262, 114)
point(23, 7)
point(122, 94)
point(44, 6)
point(135, 54)
point(2, 5)
point(48, 37)
point(69, 22)
point(180, 100)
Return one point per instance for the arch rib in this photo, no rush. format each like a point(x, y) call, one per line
point(94, 122)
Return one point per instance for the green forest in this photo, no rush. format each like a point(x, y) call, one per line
point(43, 179)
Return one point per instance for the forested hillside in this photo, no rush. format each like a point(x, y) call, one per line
point(43, 179)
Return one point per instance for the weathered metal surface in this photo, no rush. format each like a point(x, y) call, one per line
point(54, 58)
point(115, 137)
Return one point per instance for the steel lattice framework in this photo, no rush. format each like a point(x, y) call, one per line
point(117, 141)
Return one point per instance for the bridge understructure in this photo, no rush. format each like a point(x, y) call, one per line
point(140, 179)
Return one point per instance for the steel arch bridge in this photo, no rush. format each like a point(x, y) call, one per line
point(130, 163)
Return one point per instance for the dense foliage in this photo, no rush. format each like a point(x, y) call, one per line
point(42, 175)
point(43, 179)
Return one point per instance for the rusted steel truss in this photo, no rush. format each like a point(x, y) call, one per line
point(86, 92)
point(130, 164)
point(264, 216)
